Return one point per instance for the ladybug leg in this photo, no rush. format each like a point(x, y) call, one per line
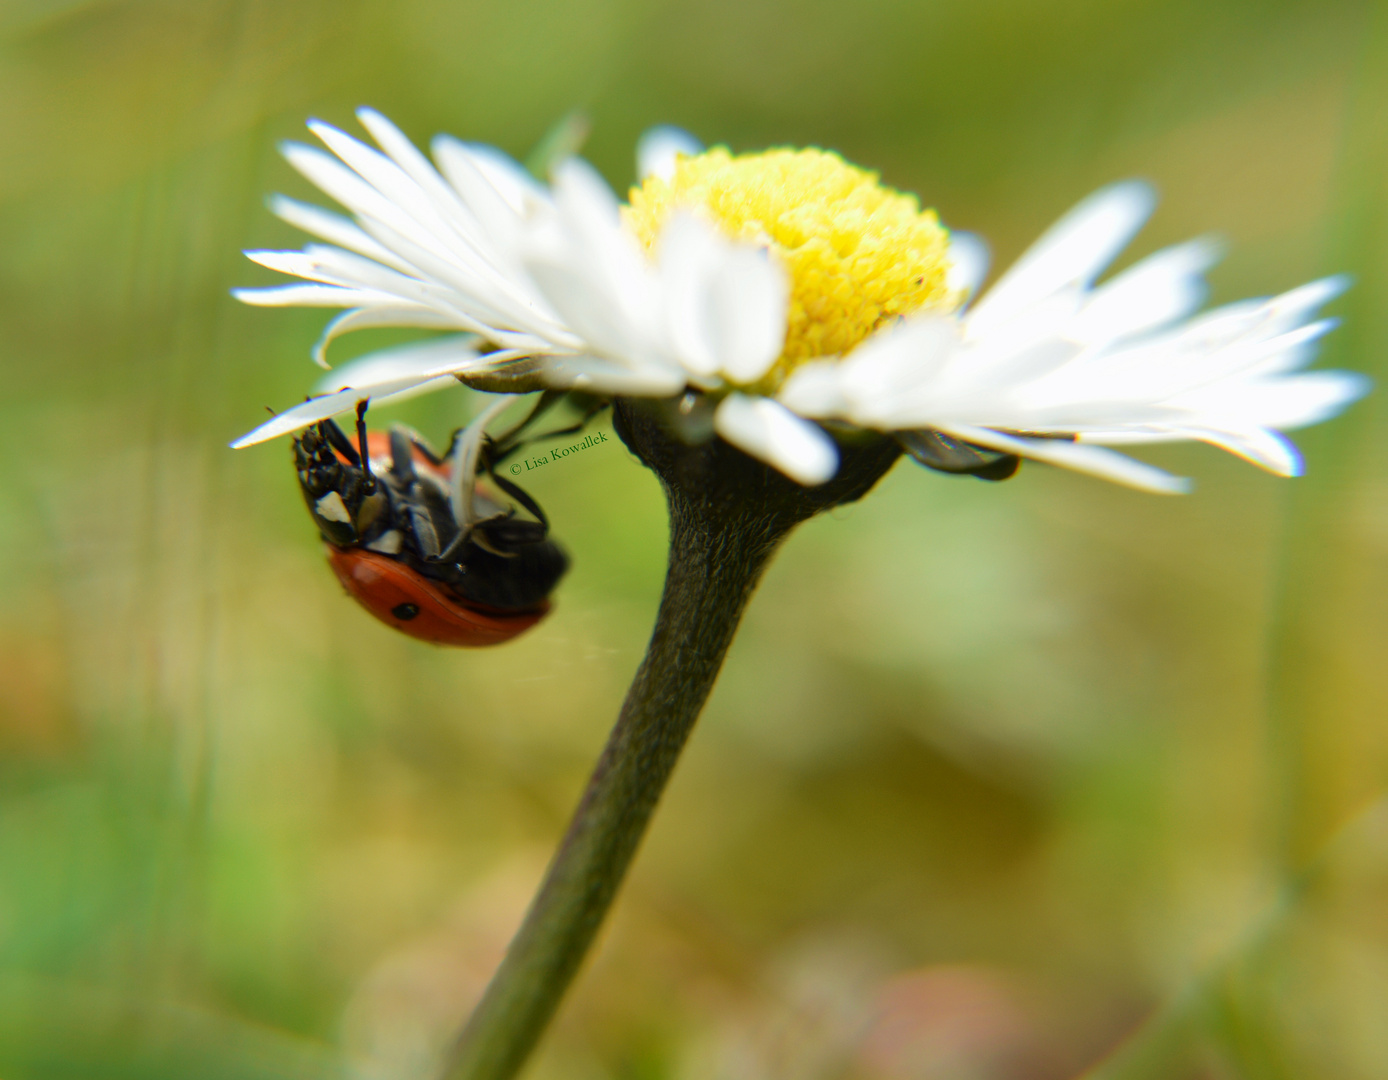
point(428, 532)
point(402, 468)
point(361, 444)
point(521, 496)
point(334, 437)
point(432, 456)
point(507, 536)
point(419, 442)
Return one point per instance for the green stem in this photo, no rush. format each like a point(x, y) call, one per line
point(714, 566)
point(727, 515)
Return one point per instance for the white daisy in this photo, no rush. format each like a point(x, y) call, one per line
point(788, 288)
point(1044, 352)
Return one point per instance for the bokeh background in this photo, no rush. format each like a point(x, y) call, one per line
point(1000, 781)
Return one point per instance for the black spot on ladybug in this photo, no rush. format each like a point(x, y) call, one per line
point(405, 612)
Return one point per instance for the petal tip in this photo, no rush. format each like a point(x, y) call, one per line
point(1139, 193)
point(1337, 284)
point(658, 149)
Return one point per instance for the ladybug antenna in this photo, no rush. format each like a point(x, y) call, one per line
point(361, 445)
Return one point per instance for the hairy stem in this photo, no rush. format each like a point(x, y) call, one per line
point(713, 569)
point(727, 515)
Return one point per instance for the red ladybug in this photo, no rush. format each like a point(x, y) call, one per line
point(391, 521)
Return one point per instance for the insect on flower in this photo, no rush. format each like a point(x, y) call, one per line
point(415, 541)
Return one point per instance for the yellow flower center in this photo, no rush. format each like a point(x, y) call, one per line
point(858, 254)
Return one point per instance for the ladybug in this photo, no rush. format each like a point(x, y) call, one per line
point(418, 544)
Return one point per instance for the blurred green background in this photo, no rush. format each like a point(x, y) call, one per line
point(996, 777)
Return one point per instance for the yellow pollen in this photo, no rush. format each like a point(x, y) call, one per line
point(858, 254)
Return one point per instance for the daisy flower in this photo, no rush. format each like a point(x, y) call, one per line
point(784, 298)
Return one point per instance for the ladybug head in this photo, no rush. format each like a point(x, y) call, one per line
point(345, 500)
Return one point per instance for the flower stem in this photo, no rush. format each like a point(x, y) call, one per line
point(713, 568)
point(727, 515)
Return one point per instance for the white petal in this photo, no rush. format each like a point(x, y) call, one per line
point(353, 192)
point(461, 161)
point(688, 253)
point(1153, 293)
point(595, 313)
point(311, 296)
point(462, 234)
point(471, 286)
point(584, 197)
point(336, 266)
point(423, 250)
point(1090, 459)
point(816, 389)
point(896, 365)
point(1291, 307)
point(592, 220)
point(380, 377)
point(479, 213)
point(468, 194)
point(750, 300)
point(1289, 352)
point(334, 228)
point(393, 315)
point(968, 262)
point(592, 223)
point(405, 154)
point(1033, 344)
point(1072, 252)
point(592, 272)
point(1269, 449)
point(593, 373)
point(1285, 403)
point(1132, 435)
point(423, 359)
point(320, 408)
point(658, 149)
point(725, 303)
point(769, 431)
point(419, 195)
